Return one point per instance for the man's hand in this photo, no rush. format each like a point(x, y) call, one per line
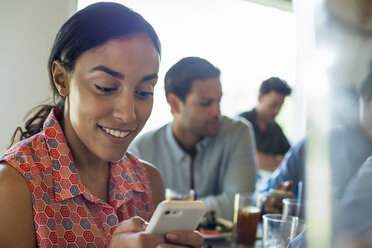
point(274, 204)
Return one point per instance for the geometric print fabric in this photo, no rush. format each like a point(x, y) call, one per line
point(65, 213)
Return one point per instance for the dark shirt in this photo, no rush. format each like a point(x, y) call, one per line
point(272, 141)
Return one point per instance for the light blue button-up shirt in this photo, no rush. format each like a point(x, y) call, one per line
point(225, 163)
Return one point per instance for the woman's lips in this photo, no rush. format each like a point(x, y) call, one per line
point(115, 133)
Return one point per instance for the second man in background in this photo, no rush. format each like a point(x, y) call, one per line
point(271, 142)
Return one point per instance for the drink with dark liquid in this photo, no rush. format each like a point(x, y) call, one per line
point(245, 226)
point(185, 195)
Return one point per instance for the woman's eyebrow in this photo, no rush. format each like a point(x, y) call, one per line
point(150, 77)
point(108, 71)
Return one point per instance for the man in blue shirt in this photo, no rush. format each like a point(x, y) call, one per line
point(292, 169)
point(200, 149)
point(352, 225)
point(351, 171)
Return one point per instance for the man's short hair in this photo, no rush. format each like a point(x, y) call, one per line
point(180, 76)
point(275, 84)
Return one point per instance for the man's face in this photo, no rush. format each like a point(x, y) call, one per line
point(269, 105)
point(200, 114)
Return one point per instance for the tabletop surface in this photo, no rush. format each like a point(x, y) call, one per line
point(227, 243)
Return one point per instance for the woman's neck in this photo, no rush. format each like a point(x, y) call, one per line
point(93, 171)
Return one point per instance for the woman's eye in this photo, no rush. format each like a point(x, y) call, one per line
point(144, 94)
point(104, 89)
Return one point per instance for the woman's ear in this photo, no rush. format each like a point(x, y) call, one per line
point(60, 78)
point(174, 102)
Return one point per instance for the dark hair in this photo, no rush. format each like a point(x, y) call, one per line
point(275, 84)
point(86, 29)
point(180, 76)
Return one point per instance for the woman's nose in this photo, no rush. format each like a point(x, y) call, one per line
point(124, 109)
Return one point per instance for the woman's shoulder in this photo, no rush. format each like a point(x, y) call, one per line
point(151, 169)
point(156, 181)
point(13, 186)
point(145, 165)
point(28, 153)
point(16, 214)
point(148, 174)
point(10, 177)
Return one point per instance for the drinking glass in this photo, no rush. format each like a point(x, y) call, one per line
point(246, 219)
point(184, 195)
point(292, 207)
point(278, 230)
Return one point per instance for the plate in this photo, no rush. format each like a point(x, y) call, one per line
point(224, 235)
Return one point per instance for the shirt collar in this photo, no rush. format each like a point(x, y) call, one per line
point(177, 151)
point(67, 183)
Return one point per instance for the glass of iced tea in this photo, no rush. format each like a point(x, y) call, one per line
point(184, 195)
point(246, 219)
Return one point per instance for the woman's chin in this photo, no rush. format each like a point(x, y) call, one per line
point(113, 156)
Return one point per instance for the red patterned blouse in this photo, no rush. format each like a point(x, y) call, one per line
point(65, 213)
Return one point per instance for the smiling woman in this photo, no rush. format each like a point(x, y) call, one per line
point(69, 180)
point(107, 98)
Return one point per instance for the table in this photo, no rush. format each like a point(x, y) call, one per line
point(225, 243)
point(228, 243)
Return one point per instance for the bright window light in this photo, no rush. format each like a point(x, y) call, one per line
point(248, 42)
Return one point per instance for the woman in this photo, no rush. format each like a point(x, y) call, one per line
point(70, 180)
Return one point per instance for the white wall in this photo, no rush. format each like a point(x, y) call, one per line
point(27, 29)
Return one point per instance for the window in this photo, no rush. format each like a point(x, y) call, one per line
point(248, 42)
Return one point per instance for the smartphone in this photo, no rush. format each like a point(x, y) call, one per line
point(176, 215)
point(281, 194)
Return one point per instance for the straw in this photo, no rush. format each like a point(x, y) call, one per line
point(299, 198)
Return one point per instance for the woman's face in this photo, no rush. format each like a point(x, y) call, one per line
point(110, 96)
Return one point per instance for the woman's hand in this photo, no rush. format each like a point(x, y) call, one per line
point(130, 234)
point(183, 239)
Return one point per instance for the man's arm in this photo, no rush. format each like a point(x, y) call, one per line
point(268, 162)
point(292, 168)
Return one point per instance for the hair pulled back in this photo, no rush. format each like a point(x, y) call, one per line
point(86, 29)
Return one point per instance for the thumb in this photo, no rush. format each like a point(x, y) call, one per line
point(135, 224)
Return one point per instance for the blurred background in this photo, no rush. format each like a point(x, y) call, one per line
point(248, 41)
